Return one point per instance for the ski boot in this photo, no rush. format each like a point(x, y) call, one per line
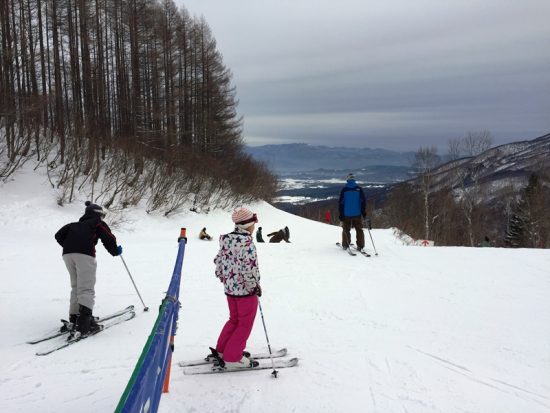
point(68, 325)
point(217, 358)
point(86, 323)
point(244, 363)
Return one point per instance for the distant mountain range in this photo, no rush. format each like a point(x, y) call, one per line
point(500, 171)
point(300, 157)
point(303, 161)
point(381, 174)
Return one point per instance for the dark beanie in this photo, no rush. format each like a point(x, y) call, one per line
point(94, 208)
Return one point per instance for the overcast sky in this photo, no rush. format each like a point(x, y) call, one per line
point(394, 74)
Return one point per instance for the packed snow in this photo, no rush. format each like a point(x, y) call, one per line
point(296, 200)
point(412, 330)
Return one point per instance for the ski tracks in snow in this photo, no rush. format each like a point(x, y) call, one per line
point(384, 389)
point(496, 384)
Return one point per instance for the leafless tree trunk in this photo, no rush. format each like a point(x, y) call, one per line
point(426, 159)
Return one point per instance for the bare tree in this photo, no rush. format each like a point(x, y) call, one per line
point(117, 86)
point(478, 142)
point(455, 148)
point(468, 175)
point(425, 160)
point(472, 144)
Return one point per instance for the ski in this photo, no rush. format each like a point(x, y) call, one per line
point(69, 341)
point(56, 333)
point(264, 365)
point(256, 356)
point(348, 250)
point(362, 252)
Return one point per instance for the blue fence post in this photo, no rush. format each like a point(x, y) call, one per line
point(175, 293)
point(151, 376)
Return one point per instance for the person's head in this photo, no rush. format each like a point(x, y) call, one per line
point(94, 209)
point(204, 229)
point(244, 219)
point(350, 181)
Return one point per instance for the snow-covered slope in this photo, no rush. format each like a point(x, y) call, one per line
point(412, 330)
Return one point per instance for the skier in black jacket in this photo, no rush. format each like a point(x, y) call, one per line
point(259, 237)
point(78, 240)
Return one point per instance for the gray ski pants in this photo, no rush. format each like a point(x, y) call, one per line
point(82, 269)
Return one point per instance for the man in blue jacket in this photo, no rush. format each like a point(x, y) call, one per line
point(351, 208)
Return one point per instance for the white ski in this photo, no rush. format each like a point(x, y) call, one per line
point(67, 341)
point(265, 364)
point(348, 249)
point(56, 333)
point(256, 356)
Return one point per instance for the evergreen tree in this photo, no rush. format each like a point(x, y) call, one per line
point(516, 229)
point(525, 228)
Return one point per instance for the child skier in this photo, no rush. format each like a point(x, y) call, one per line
point(237, 268)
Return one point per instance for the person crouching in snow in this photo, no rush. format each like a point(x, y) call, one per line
point(237, 268)
point(204, 236)
point(278, 236)
point(78, 240)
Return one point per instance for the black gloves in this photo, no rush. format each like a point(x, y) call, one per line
point(258, 290)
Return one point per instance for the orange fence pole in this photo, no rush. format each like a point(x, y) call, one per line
point(166, 386)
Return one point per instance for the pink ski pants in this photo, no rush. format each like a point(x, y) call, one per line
point(235, 332)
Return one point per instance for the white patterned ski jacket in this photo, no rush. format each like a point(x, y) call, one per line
point(237, 263)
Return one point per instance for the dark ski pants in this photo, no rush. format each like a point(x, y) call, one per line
point(357, 224)
point(82, 269)
point(235, 332)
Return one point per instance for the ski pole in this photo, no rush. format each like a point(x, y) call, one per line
point(274, 372)
point(369, 227)
point(135, 286)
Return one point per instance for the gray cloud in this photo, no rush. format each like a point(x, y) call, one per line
point(395, 74)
